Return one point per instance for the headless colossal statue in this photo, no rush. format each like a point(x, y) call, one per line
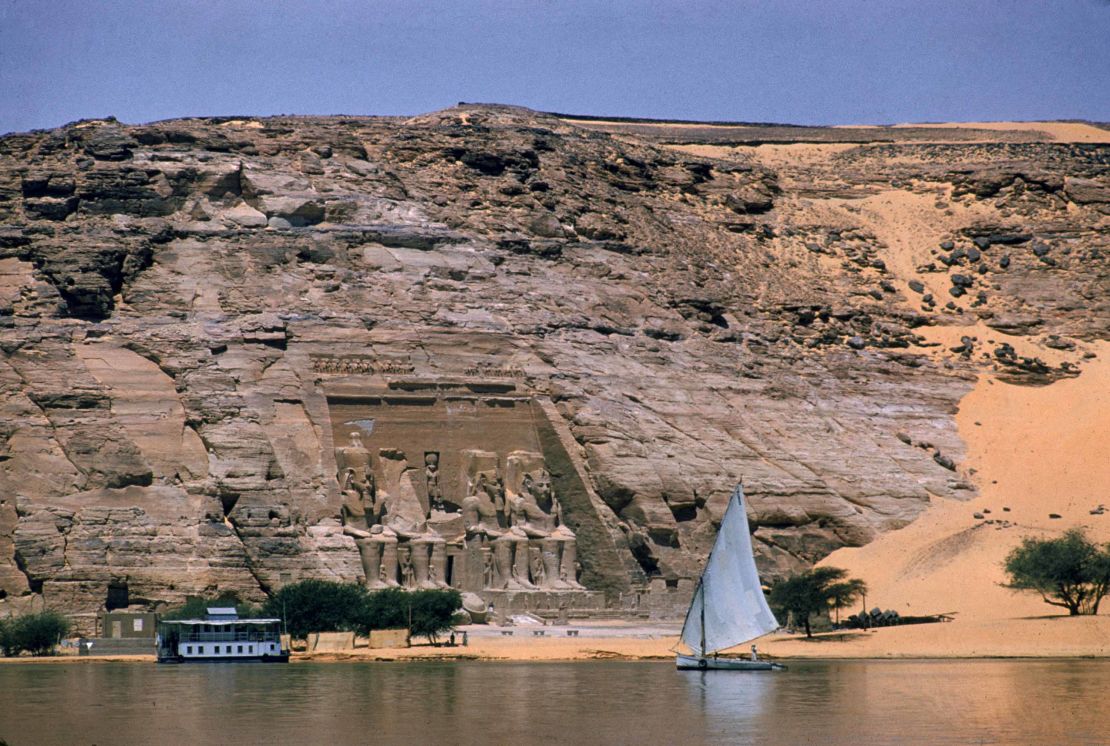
point(381, 515)
point(361, 513)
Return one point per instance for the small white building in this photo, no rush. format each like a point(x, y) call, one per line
point(220, 636)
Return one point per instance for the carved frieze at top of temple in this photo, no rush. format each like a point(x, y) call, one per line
point(369, 365)
point(347, 365)
point(483, 370)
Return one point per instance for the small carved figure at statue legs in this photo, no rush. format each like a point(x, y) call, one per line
point(370, 552)
point(536, 565)
point(549, 549)
point(489, 568)
point(404, 558)
point(521, 562)
point(390, 563)
point(568, 569)
point(503, 562)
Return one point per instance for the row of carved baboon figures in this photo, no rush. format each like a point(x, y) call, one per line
point(357, 365)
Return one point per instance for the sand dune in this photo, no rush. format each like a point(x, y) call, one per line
point(1034, 452)
point(1061, 131)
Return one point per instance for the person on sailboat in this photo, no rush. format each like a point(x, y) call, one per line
point(755, 655)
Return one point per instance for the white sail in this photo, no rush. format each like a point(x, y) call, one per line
point(728, 606)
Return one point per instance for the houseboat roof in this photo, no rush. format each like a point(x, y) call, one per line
point(221, 622)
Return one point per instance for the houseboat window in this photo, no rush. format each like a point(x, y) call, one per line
point(240, 650)
point(188, 649)
point(227, 648)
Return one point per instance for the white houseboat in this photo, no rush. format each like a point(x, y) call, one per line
point(220, 636)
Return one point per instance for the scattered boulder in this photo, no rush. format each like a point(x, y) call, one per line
point(1087, 191)
point(944, 461)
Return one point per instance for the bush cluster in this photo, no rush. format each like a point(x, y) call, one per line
point(37, 634)
point(326, 606)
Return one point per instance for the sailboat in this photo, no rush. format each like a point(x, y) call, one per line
point(728, 607)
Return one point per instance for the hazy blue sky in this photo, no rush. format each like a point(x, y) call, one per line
point(804, 61)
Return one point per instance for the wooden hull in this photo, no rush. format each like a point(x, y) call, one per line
point(695, 663)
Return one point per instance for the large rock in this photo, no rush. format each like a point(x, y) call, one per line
point(178, 301)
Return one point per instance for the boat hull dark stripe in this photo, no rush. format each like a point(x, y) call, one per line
point(694, 663)
point(283, 658)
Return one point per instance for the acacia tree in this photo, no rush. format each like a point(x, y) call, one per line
point(1070, 571)
point(845, 593)
point(433, 612)
point(317, 606)
point(813, 592)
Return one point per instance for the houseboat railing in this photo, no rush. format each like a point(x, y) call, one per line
point(251, 636)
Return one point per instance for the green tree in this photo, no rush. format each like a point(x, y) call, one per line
point(1069, 571)
point(433, 612)
point(813, 592)
point(36, 633)
point(7, 642)
point(427, 613)
point(385, 609)
point(317, 606)
point(845, 594)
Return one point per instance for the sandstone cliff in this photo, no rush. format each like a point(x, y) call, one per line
point(693, 307)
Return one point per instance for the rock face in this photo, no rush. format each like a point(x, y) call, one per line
point(181, 301)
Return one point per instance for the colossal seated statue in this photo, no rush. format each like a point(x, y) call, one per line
point(403, 513)
point(360, 512)
point(484, 505)
point(535, 511)
point(508, 535)
point(485, 516)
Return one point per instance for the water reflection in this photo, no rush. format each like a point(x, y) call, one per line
point(856, 702)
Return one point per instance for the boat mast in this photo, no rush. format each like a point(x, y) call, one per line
point(702, 583)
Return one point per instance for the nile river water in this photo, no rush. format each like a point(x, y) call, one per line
point(853, 702)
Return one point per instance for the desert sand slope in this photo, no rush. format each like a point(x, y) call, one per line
point(1059, 131)
point(1034, 452)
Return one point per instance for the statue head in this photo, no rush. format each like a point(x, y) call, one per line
point(431, 459)
point(356, 439)
point(538, 485)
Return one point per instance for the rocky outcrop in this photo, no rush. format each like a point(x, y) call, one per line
point(685, 321)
